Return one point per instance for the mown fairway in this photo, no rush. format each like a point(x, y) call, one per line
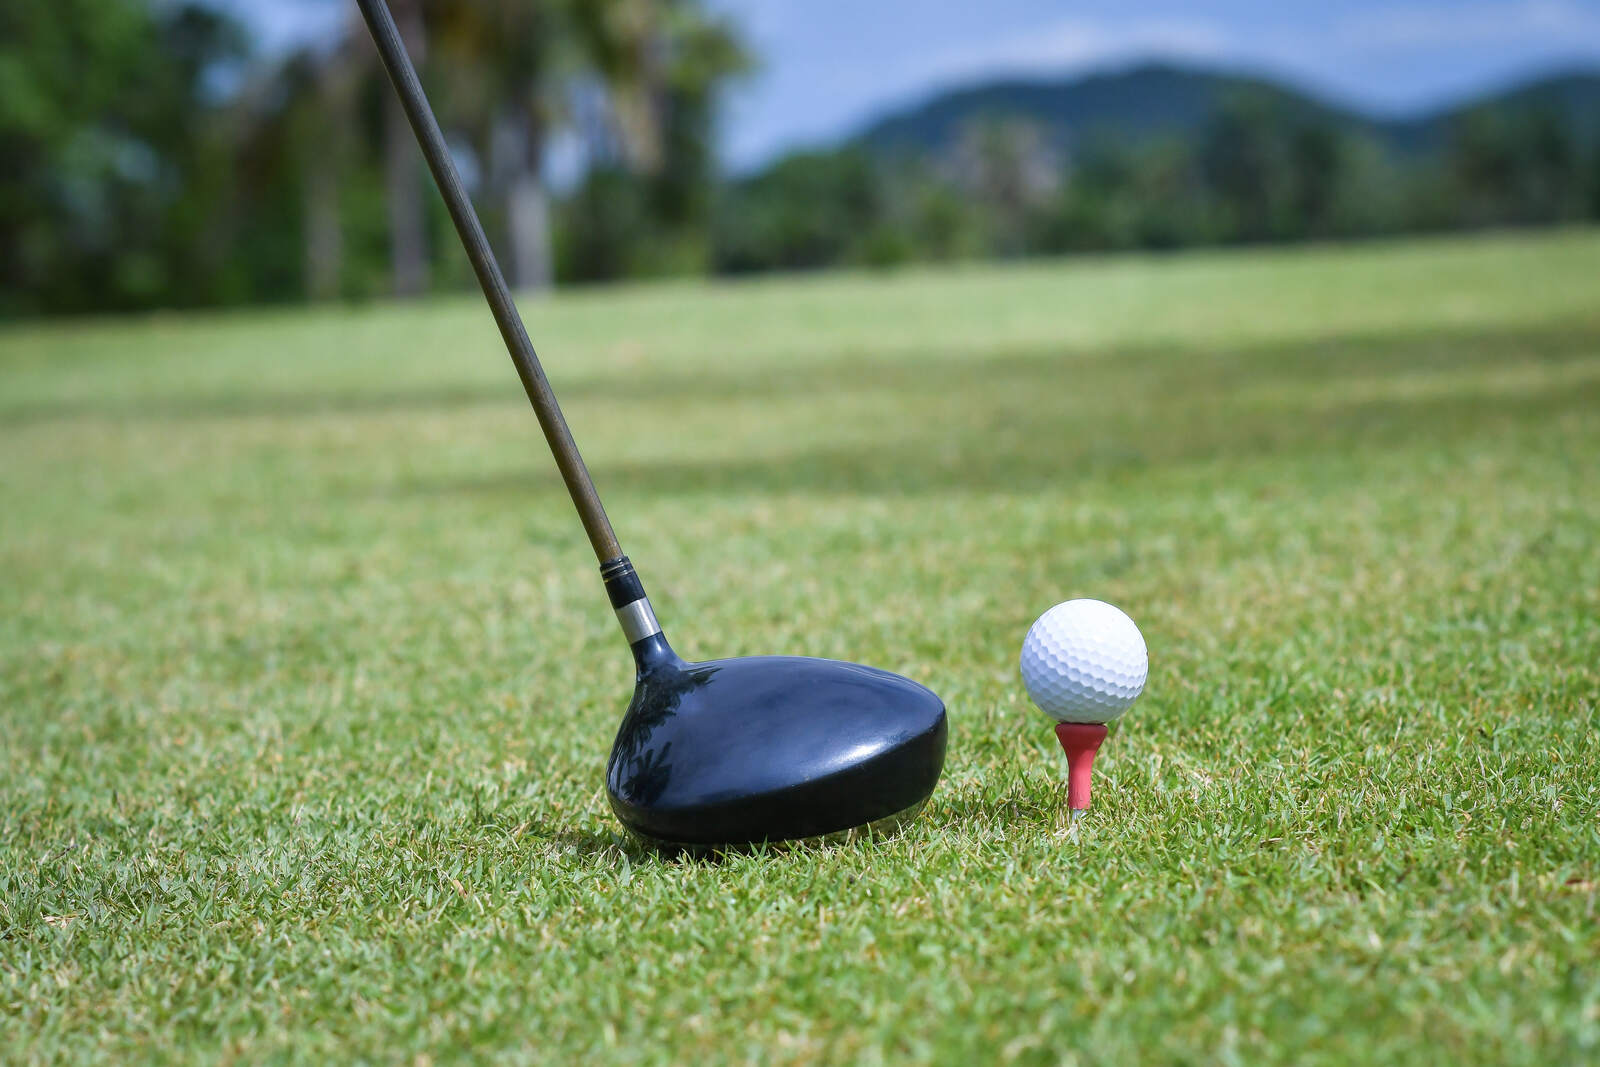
point(307, 680)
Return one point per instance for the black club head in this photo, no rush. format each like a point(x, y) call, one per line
point(770, 748)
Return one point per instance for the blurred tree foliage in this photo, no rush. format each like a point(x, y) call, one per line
point(115, 172)
point(1256, 172)
point(152, 159)
point(645, 208)
point(809, 210)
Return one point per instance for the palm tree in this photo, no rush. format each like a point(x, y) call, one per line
point(509, 60)
point(661, 61)
point(408, 231)
point(319, 134)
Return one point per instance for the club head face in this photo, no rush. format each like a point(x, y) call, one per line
point(772, 748)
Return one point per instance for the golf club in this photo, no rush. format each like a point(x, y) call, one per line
point(726, 752)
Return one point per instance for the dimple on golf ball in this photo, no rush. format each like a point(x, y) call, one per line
point(1084, 661)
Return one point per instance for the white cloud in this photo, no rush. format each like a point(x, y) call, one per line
point(1556, 22)
point(1084, 43)
point(1078, 43)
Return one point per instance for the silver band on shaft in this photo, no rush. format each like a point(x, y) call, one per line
point(638, 620)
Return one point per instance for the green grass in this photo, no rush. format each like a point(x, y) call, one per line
point(307, 681)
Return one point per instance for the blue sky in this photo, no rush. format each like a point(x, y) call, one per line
point(827, 66)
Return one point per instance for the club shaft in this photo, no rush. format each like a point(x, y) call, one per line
point(392, 50)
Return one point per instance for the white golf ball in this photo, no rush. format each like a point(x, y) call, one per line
point(1084, 661)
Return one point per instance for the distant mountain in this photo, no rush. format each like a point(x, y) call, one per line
point(1155, 99)
point(1572, 97)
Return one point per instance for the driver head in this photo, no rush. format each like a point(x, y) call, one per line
point(770, 748)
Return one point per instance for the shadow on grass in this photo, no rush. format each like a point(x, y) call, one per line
point(596, 845)
point(599, 846)
point(1037, 422)
point(1166, 369)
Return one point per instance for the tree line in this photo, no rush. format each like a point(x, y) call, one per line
point(1256, 172)
point(152, 159)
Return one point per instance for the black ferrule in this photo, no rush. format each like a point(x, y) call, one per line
point(622, 582)
point(652, 652)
